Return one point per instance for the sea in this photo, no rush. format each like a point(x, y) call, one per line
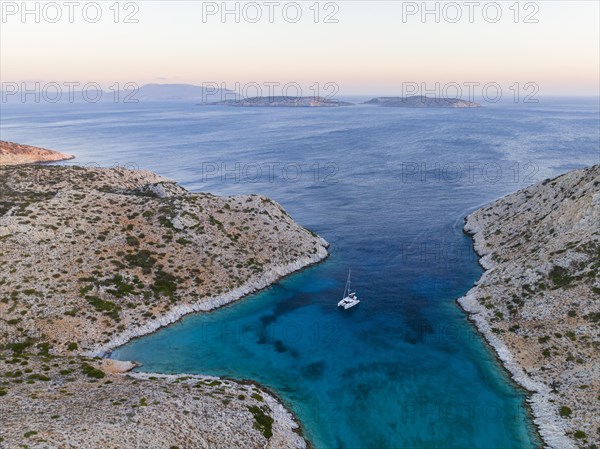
point(389, 190)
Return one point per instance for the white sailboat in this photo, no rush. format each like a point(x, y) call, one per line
point(349, 299)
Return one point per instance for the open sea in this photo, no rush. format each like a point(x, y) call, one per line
point(389, 189)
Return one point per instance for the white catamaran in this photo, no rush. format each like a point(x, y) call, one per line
point(349, 299)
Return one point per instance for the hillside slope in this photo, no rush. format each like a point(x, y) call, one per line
point(538, 303)
point(90, 258)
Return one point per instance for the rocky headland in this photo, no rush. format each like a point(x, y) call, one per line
point(93, 257)
point(538, 302)
point(14, 154)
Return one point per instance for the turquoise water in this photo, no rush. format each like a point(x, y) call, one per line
point(404, 369)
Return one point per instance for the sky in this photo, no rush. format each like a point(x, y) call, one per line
point(359, 47)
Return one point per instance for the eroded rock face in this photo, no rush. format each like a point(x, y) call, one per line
point(14, 154)
point(538, 303)
point(90, 258)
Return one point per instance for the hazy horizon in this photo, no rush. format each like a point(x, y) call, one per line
point(359, 47)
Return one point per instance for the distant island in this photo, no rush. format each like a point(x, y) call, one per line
point(13, 153)
point(179, 93)
point(538, 303)
point(420, 101)
point(284, 102)
point(130, 93)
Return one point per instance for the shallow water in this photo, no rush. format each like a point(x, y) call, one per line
point(389, 188)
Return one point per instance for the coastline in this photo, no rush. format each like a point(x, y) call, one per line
point(548, 425)
point(283, 416)
point(299, 429)
point(12, 154)
point(536, 304)
point(265, 280)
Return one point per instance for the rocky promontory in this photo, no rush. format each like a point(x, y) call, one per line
point(14, 154)
point(538, 302)
point(93, 257)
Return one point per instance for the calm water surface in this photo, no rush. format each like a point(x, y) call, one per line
point(389, 188)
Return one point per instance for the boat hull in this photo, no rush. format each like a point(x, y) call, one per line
point(348, 302)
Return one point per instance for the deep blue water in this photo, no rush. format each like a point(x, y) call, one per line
point(389, 188)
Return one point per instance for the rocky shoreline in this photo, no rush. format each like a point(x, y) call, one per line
point(521, 305)
point(264, 281)
point(547, 422)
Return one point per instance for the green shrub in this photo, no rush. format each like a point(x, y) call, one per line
point(214, 221)
point(39, 377)
point(92, 372)
point(107, 307)
point(122, 288)
point(593, 317)
point(580, 434)
point(565, 411)
point(142, 259)
point(43, 348)
point(132, 241)
point(560, 277)
point(19, 347)
point(264, 423)
point(164, 284)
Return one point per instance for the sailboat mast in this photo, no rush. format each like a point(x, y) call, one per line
point(347, 289)
point(349, 271)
